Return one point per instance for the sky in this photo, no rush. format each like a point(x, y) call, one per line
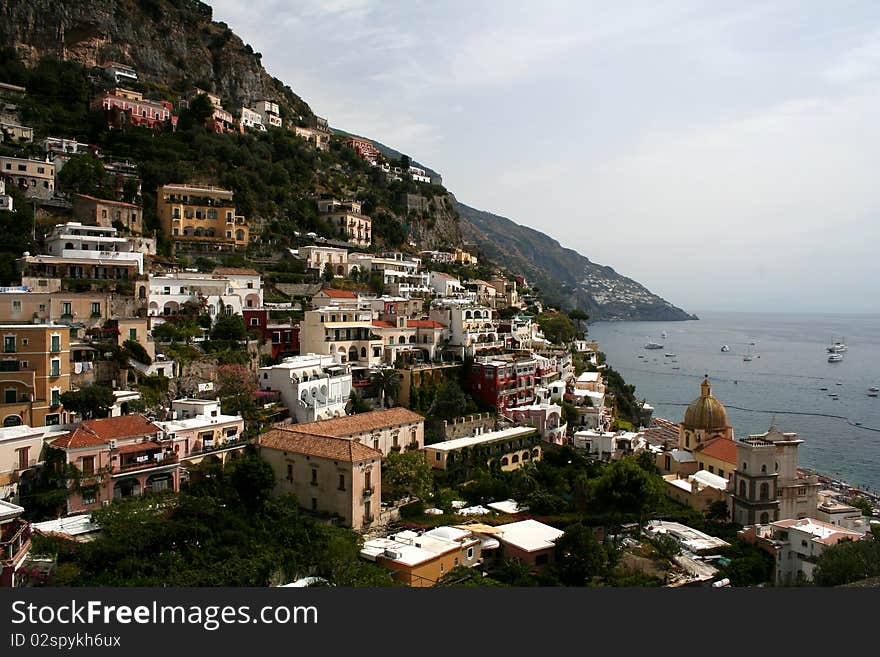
point(722, 154)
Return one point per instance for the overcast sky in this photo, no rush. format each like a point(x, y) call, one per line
point(722, 154)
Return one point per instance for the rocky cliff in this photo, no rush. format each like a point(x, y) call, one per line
point(173, 44)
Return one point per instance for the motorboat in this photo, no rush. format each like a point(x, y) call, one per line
point(823, 388)
point(663, 335)
point(653, 345)
point(872, 393)
point(724, 347)
point(747, 358)
point(835, 358)
point(837, 347)
point(873, 389)
point(670, 355)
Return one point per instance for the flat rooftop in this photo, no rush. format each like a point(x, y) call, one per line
point(690, 538)
point(529, 535)
point(491, 436)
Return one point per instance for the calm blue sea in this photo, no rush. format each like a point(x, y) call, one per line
point(789, 366)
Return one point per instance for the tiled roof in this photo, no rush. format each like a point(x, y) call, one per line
point(339, 294)
point(661, 431)
point(122, 427)
point(349, 425)
point(720, 448)
point(337, 449)
point(79, 437)
point(235, 271)
point(425, 323)
point(107, 200)
point(380, 324)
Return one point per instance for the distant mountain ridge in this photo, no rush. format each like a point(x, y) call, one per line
point(564, 276)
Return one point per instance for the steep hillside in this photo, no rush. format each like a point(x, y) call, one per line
point(173, 44)
point(393, 154)
point(564, 276)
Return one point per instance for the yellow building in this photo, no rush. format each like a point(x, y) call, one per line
point(200, 219)
point(34, 373)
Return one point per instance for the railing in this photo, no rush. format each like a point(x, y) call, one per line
point(149, 463)
point(13, 537)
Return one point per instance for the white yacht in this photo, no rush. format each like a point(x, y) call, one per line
point(835, 358)
point(653, 345)
point(724, 347)
point(837, 347)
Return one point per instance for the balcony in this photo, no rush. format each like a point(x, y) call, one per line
point(14, 539)
point(367, 492)
point(150, 462)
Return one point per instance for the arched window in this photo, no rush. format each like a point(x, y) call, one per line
point(401, 340)
point(352, 354)
point(503, 460)
point(765, 491)
point(514, 458)
point(363, 352)
point(764, 468)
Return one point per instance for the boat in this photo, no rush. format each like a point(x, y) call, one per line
point(837, 347)
point(724, 347)
point(823, 388)
point(835, 358)
point(747, 358)
point(670, 355)
point(872, 393)
point(663, 335)
point(653, 345)
point(873, 389)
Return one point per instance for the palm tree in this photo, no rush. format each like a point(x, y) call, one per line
point(387, 380)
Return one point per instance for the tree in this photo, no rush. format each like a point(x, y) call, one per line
point(626, 488)
point(450, 401)
point(407, 472)
point(579, 556)
point(89, 402)
point(557, 327)
point(328, 272)
point(236, 388)
point(229, 327)
point(846, 562)
point(136, 350)
point(83, 174)
point(387, 380)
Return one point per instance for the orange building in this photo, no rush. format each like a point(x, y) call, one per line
point(200, 219)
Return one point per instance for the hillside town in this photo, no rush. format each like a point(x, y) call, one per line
point(161, 341)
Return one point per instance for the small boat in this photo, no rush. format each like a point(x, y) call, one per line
point(670, 355)
point(724, 347)
point(835, 358)
point(838, 383)
point(663, 335)
point(653, 345)
point(823, 388)
point(678, 368)
point(747, 358)
point(872, 393)
point(873, 389)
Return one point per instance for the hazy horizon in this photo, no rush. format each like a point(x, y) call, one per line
point(719, 155)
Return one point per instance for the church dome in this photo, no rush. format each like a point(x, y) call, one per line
point(705, 412)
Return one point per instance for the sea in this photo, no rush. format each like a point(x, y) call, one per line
point(788, 381)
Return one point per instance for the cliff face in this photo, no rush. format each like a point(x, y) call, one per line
point(172, 44)
point(438, 226)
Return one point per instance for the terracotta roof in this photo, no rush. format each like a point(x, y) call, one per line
point(79, 437)
point(661, 431)
point(380, 324)
point(107, 200)
point(720, 448)
point(349, 425)
point(339, 294)
point(328, 447)
point(139, 447)
point(121, 427)
point(425, 323)
point(235, 271)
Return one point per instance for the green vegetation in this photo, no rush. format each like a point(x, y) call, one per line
point(226, 531)
point(89, 402)
point(847, 562)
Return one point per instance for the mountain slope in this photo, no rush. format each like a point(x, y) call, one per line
point(392, 154)
point(564, 276)
point(173, 44)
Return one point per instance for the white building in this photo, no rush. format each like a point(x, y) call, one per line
point(317, 257)
point(199, 424)
point(5, 200)
point(402, 275)
point(252, 119)
point(224, 291)
point(471, 328)
point(799, 543)
point(73, 240)
point(269, 114)
point(121, 73)
point(312, 386)
point(445, 285)
point(343, 332)
point(418, 174)
point(62, 145)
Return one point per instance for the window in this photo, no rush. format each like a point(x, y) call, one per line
point(289, 472)
point(90, 495)
point(55, 369)
point(132, 334)
point(541, 559)
point(88, 465)
point(314, 477)
point(16, 306)
point(436, 456)
point(96, 308)
point(23, 457)
point(314, 504)
point(9, 344)
point(56, 397)
point(56, 344)
point(53, 419)
point(712, 469)
point(342, 482)
point(720, 472)
point(255, 321)
point(470, 553)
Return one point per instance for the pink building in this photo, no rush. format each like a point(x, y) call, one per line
point(117, 457)
point(154, 114)
point(546, 418)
